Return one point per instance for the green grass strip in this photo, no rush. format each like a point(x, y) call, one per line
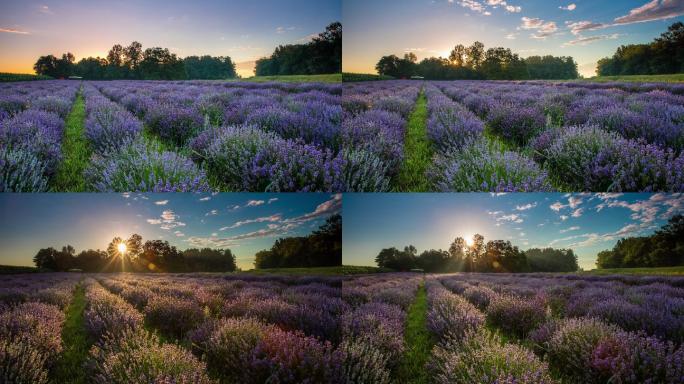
point(76, 151)
point(69, 367)
point(418, 341)
point(417, 151)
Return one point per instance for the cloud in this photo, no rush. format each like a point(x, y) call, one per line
point(511, 36)
point(574, 201)
point(44, 9)
point(213, 212)
point(154, 221)
point(525, 207)
point(513, 9)
point(557, 206)
point(15, 31)
point(591, 39)
point(569, 7)
point(161, 202)
point(273, 218)
point(653, 10)
point(577, 212)
point(575, 228)
point(543, 28)
point(326, 208)
point(500, 217)
point(168, 215)
point(272, 200)
point(205, 198)
point(281, 30)
point(254, 203)
point(179, 234)
point(563, 217)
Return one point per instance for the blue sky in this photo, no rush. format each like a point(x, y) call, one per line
point(584, 29)
point(244, 30)
point(586, 223)
point(244, 222)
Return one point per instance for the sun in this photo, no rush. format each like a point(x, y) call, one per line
point(122, 248)
point(469, 241)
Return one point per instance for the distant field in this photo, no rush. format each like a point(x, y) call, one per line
point(675, 78)
point(361, 269)
point(364, 77)
point(5, 77)
point(297, 271)
point(639, 271)
point(328, 78)
point(16, 269)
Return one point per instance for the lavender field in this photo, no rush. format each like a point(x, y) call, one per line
point(524, 328)
point(515, 136)
point(171, 136)
point(183, 328)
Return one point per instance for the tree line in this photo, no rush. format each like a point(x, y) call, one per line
point(322, 248)
point(139, 256)
point(665, 248)
point(492, 256)
point(322, 55)
point(664, 55)
point(134, 63)
point(474, 62)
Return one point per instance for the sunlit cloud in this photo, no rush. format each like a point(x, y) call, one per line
point(575, 228)
point(161, 202)
point(591, 39)
point(281, 30)
point(213, 212)
point(569, 7)
point(15, 31)
point(543, 28)
point(327, 208)
point(525, 206)
point(254, 203)
point(653, 10)
point(272, 200)
point(205, 198)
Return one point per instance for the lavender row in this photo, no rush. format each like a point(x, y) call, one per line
point(31, 132)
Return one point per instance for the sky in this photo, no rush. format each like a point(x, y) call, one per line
point(585, 223)
point(587, 30)
point(242, 29)
point(244, 222)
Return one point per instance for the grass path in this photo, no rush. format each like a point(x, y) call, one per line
point(417, 151)
point(76, 151)
point(418, 342)
point(69, 368)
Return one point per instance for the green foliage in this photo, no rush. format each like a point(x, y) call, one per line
point(480, 256)
point(322, 248)
point(150, 256)
point(670, 78)
point(322, 55)
point(661, 271)
point(207, 67)
point(551, 68)
point(323, 78)
point(6, 77)
point(552, 260)
point(69, 368)
point(55, 67)
point(418, 341)
point(665, 248)
point(76, 150)
point(474, 62)
point(363, 77)
point(662, 56)
point(418, 151)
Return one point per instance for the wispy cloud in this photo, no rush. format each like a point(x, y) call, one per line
point(525, 207)
point(15, 31)
point(273, 218)
point(569, 7)
point(575, 228)
point(161, 202)
point(653, 10)
point(591, 39)
point(281, 30)
point(254, 203)
point(272, 200)
point(207, 198)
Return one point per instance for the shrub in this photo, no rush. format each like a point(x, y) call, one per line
point(515, 315)
point(516, 123)
point(477, 167)
point(136, 356)
point(139, 168)
point(110, 128)
point(450, 315)
point(363, 363)
point(480, 357)
point(21, 171)
point(108, 313)
point(173, 316)
point(571, 347)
